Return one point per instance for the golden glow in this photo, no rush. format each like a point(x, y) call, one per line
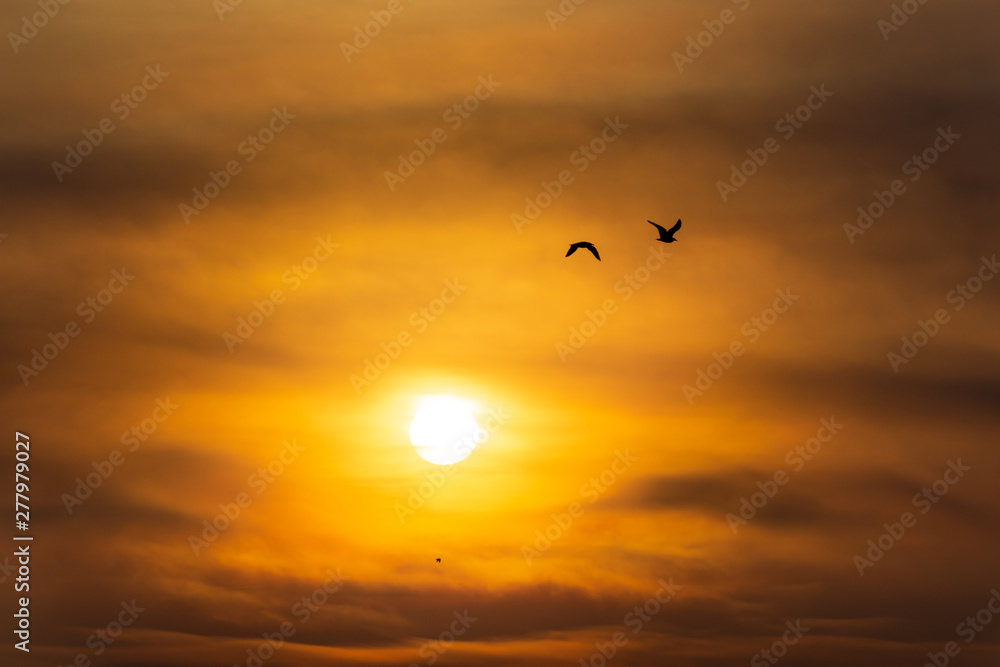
point(444, 430)
point(448, 301)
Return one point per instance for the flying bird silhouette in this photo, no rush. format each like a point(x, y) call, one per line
point(583, 244)
point(439, 560)
point(666, 235)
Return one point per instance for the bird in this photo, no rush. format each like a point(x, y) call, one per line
point(439, 560)
point(583, 244)
point(666, 235)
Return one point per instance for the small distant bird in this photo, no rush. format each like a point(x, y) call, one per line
point(666, 235)
point(583, 244)
point(439, 560)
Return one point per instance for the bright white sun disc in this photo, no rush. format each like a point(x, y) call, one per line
point(444, 431)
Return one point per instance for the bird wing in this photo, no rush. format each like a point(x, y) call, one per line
point(673, 230)
point(583, 244)
point(663, 230)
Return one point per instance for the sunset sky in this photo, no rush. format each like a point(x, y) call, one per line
point(241, 243)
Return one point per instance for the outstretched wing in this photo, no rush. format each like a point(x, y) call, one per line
point(583, 244)
point(662, 230)
point(673, 230)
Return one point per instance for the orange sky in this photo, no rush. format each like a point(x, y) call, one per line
point(614, 441)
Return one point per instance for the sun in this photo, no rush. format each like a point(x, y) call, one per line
point(444, 431)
